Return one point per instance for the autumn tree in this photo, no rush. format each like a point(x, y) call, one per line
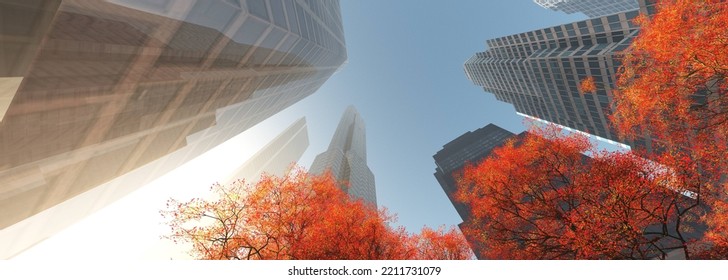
point(715, 243)
point(539, 197)
point(299, 216)
point(587, 85)
point(438, 244)
point(673, 90)
point(672, 82)
point(673, 78)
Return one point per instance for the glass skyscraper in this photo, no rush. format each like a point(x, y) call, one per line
point(277, 157)
point(591, 8)
point(469, 148)
point(346, 157)
point(539, 71)
point(97, 92)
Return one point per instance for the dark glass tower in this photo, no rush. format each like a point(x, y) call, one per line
point(468, 148)
point(93, 90)
point(346, 157)
point(471, 147)
point(539, 71)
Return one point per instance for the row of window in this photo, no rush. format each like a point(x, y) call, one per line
point(615, 22)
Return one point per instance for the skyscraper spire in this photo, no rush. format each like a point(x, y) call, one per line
point(346, 157)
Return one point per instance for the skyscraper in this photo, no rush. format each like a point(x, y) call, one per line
point(471, 147)
point(346, 157)
point(277, 156)
point(539, 71)
point(591, 8)
point(110, 92)
point(468, 148)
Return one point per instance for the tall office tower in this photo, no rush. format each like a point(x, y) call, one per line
point(277, 156)
point(346, 157)
point(591, 8)
point(470, 147)
point(539, 71)
point(93, 90)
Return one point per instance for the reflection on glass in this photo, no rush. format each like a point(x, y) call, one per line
point(91, 90)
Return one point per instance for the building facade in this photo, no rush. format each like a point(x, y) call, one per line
point(591, 8)
point(469, 148)
point(346, 158)
point(539, 72)
point(119, 92)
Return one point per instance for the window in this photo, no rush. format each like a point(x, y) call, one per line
point(279, 17)
point(613, 18)
point(615, 26)
point(258, 8)
point(292, 17)
point(632, 14)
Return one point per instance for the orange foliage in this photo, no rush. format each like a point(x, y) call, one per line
point(672, 84)
point(587, 85)
point(673, 79)
point(299, 216)
point(437, 244)
point(715, 245)
point(673, 87)
point(539, 198)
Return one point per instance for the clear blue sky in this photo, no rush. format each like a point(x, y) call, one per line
point(405, 76)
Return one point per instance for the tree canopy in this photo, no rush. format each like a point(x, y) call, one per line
point(300, 216)
point(539, 197)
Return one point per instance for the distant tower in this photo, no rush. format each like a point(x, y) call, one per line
point(277, 156)
point(591, 8)
point(347, 157)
